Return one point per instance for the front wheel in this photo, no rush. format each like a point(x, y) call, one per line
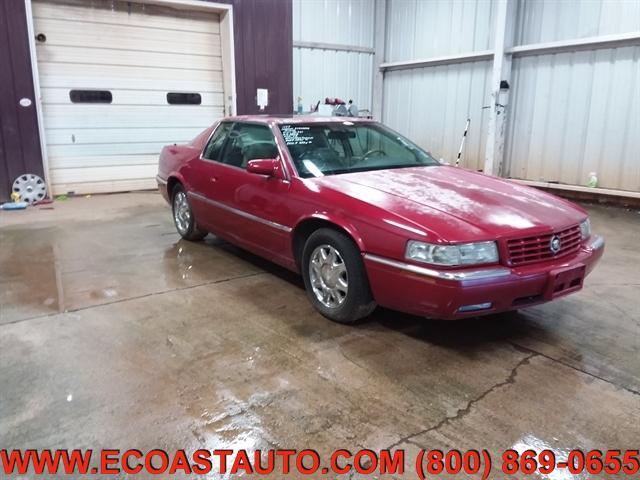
point(335, 277)
point(183, 217)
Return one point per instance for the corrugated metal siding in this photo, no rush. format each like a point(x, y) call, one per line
point(346, 22)
point(569, 113)
point(576, 113)
point(423, 29)
point(329, 73)
point(553, 20)
point(431, 105)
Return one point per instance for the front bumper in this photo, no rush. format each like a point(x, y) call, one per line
point(443, 293)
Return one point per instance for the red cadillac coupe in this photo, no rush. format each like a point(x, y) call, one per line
point(368, 218)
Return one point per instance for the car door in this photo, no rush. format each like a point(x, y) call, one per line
point(203, 173)
point(255, 205)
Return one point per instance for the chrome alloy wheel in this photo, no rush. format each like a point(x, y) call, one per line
point(181, 212)
point(328, 275)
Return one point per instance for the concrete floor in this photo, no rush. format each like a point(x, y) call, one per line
point(116, 334)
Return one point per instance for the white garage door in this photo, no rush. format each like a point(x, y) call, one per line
point(118, 81)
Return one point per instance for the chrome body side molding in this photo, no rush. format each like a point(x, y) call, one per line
point(240, 213)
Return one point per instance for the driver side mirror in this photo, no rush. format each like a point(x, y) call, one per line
point(265, 166)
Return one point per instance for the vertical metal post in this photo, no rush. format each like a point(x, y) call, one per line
point(37, 96)
point(503, 38)
point(379, 39)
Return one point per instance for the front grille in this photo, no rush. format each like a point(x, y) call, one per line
point(538, 248)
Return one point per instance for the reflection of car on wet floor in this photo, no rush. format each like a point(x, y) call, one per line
point(368, 218)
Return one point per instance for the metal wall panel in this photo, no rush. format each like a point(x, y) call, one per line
point(576, 113)
point(320, 73)
point(422, 29)
point(569, 114)
point(431, 105)
point(553, 20)
point(345, 22)
point(328, 73)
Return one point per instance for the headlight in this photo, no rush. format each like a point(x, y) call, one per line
point(452, 255)
point(585, 229)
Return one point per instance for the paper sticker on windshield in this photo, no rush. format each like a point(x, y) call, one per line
point(297, 135)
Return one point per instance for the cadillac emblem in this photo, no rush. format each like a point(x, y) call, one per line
point(555, 244)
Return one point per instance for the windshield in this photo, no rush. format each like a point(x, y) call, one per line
point(332, 148)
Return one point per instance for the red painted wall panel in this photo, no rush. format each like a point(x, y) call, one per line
point(263, 31)
point(19, 137)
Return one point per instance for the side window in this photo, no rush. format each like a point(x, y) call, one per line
point(248, 142)
point(214, 148)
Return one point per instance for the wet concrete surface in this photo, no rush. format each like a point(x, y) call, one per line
point(116, 334)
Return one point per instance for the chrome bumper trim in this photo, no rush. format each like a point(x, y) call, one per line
point(160, 180)
point(596, 243)
point(457, 275)
point(240, 213)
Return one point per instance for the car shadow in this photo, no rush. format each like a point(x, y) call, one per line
point(466, 333)
point(509, 327)
point(260, 262)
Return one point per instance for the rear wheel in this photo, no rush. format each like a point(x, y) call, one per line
point(183, 217)
point(335, 277)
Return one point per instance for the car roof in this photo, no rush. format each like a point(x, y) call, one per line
point(280, 119)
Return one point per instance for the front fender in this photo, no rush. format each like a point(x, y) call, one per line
point(339, 221)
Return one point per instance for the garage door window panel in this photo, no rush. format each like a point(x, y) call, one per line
point(90, 96)
point(176, 98)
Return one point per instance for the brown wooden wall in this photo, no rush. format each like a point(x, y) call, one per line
point(263, 31)
point(263, 45)
point(19, 137)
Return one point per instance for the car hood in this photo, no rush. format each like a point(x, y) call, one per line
point(477, 203)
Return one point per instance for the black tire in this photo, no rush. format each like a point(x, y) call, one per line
point(185, 221)
point(357, 301)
